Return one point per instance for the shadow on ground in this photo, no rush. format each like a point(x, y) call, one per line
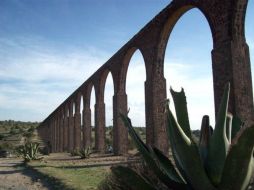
point(47, 181)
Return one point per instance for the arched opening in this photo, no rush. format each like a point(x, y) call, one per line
point(81, 117)
point(68, 112)
point(92, 105)
point(73, 108)
point(249, 34)
point(108, 99)
point(136, 76)
point(188, 64)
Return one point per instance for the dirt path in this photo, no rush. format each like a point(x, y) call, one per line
point(18, 178)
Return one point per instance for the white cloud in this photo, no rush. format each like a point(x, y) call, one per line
point(37, 64)
point(198, 90)
point(37, 78)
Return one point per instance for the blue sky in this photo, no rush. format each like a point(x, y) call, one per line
point(48, 48)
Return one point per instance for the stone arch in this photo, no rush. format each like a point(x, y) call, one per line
point(177, 12)
point(107, 77)
point(87, 131)
point(226, 21)
point(73, 107)
point(87, 92)
point(128, 62)
point(125, 65)
point(102, 81)
point(77, 121)
point(189, 66)
point(230, 62)
point(81, 108)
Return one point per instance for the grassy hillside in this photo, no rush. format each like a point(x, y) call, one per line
point(13, 133)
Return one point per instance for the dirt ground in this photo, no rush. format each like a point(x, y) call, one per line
point(14, 177)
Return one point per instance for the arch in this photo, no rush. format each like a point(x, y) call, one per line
point(73, 108)
point(87, 93)
point(86, 114)
point(92, 101)
point(67, 110)
point(125, 65)
point(100, 83)
point(77, 120)
point(108, 98)
point(195, 67)
point(81, 108)
point(176, 13)
point(135, 90)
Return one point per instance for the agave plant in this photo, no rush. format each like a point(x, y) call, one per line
point(29, 151)
point(223, 158)
point(85, 152)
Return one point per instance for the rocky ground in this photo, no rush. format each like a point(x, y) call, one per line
point(13, 176)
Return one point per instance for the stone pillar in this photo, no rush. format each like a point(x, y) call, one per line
point(100, 126)
point(120, 133)
point(57, 133)
point(65, 131)
point(149, 113)
point(52, 135)
point(61, 131)
point(71, 128)
point(231, 63)
point(87, 131)
point(155, 96)
point(77, 125)
point(48, 136)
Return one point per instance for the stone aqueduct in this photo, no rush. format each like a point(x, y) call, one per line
point(230, 62)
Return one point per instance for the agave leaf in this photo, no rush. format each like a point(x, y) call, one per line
point(229, 127)
point(179, 99)
point(205, 135)
point(239, 163)
point(130, 179)
point(218, 145)
point(187, 155)
point(166, 165)
point(147, 155)
point(177, 159)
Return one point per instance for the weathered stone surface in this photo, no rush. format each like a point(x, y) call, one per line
point(100, 127)
point(87, 142)
point(120, 134)
point(71, 128)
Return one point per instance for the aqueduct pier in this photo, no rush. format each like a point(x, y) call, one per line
point(230, 63)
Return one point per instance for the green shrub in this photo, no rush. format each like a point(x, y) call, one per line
point(13, 131)
point(29, 151)
point(209, 165)
point(85, 152)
